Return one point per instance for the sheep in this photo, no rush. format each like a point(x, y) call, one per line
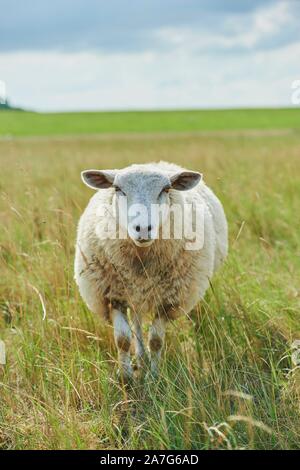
point(123, 264)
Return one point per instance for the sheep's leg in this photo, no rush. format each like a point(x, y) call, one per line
point(140, 350)
point(156, 341)
point(122, 335)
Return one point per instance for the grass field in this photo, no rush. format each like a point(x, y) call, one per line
point(228, 380)
point(35, 124)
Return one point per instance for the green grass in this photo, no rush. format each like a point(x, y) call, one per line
point(227, 378)
point(34, 124)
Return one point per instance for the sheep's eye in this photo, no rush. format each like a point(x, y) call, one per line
point(165, 190)
point(119, 190)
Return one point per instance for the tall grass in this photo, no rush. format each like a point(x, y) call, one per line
point(227, 378)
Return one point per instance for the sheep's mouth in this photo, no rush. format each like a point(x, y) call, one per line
point(143, 243)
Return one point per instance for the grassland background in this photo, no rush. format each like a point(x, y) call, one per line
point(227, 377)
point(16, 123)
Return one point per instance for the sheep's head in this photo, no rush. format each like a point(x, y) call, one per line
point(142, 196)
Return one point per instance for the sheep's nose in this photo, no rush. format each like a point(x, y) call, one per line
point(138, 228)
point(143, 231)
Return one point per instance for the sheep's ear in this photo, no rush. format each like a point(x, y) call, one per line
point(185, 180)
point(98, 179)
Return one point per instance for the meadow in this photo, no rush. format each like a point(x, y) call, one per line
point(229, 379)
point(14, 123)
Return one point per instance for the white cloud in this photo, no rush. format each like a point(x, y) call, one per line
point(239, 31)
point(53, 81)
point(270, 20)
point(190, 69)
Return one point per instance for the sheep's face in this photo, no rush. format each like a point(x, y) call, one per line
point(141, 197)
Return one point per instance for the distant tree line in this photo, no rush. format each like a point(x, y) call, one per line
point(5, 106)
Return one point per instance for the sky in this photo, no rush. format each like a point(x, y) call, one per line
point(63, 55)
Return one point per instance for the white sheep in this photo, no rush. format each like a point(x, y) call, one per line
point(124, 262)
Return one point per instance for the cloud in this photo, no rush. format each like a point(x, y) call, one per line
point(90, 81)
point(266, 28)
point(79, 55)
point(118, 26)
